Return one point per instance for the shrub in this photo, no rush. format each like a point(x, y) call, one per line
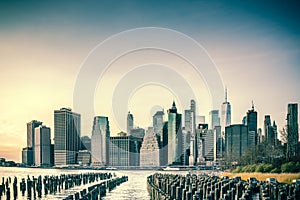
point(275, 170)
point(289, 167)
point(259, 168)
point(268, 167)
point(238, 169)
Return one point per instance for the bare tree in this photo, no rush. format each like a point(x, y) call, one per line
point(283, 135)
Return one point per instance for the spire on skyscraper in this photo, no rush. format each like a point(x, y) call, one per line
point(225, 93)
point(252, 105)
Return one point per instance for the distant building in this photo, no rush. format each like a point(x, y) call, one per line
point(175, 141)
point(30, 132)
point(149, 153)
point(66, 136)
point(84, 157)
point(225, 114)
point(100, 141)
point(158, 123)
point(201, 133)
point(252, 125)
point(52, 161)
point(218, 143)
point(30, 135)
point(292, 131)
point(138, 133)
point(27, 156)
point(189, 138)
point(129, 122)
point(236, 142)
point(85, 143)
point(270, 131)
point(42, 147)
point(214, 119)
point(123, 151)
point(164, 146)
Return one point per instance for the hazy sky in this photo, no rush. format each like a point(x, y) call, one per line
point(43, 45)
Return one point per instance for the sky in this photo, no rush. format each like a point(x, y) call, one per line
point(252, 47)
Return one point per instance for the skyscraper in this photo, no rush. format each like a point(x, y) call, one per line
point(30, 136)
point(190, 128)
point(252, 123)
point(292, 131)
point(149, 153)
point(100, 141)
point(123, 151)
point(175, 150)
point(236, 142)
point(42, 146)
point(270, 131)
point(214, 119)
point(129, 122)
point(226, 113)
point(158, 123)
point(86, 143)
point(66, 136)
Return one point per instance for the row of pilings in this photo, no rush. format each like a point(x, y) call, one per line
point(204, 187)
point(97, 191)
point(35, 187)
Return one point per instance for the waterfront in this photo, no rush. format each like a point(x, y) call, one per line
point(134, 188)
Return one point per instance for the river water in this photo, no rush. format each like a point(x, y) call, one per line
point(134, 188)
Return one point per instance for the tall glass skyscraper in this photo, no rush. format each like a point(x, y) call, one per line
point(158, 123)
point(30, 136)
point(252, 124)
point(175, 140)
point(129, 122)
point(42, 146)
point(226, 113)
point(214, 119)
point(100, 141)
point(67, 125)
point(292, 131)
point(236, 142)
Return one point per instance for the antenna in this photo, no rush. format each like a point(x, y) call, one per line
point(225, 93)
point(252, 105)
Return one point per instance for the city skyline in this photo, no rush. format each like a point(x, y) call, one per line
point(255, 46)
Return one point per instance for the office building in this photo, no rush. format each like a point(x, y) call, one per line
point(86, 143)
point(201, 132)
point(164, 146)
point(42, 147)
point(189, 136)
point(218, 143)
point(129, 122)
point(175, 141)
point(27, 156)
point(66, 136)
point(30, 132)
point(270, 131)
point(123, 151)
point(84, 157)
point(30, 136)
point(236, 142)
point(292, 131)
point(138, 133)
point(158, 123)
point(100, 141)
point(252, 125)
point(225, 113)
point(149, 153)
point(214, 119)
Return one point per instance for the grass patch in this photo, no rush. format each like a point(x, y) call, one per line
point(282, 177)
